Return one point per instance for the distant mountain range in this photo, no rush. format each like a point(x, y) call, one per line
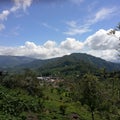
point(12, 61)
point(74, 62)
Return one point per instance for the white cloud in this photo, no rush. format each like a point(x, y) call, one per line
point(3, 17)
point(18, 4)
point(4, 14)
point(21, 4)
point(50, 27)
point(101, 41)
point(47, 50)
point(71, 44)
point(76, 31)
point(102, 14)
point(72, 24)
point(103, 45)
point(2, 27)
point(75, 28)
point(50, 44)
point(100, 44)
point(30, 45)
point(108, 54)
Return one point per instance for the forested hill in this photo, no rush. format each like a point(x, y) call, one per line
point(74, 61)
point(76, 64)
point(71, 62)
point(12, 61)
point(95, 61)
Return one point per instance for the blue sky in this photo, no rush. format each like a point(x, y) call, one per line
point(52, 28)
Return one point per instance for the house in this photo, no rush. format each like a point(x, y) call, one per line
point(50, 80)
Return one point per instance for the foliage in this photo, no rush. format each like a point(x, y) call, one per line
point(95, 94)
point(14, 103)
point(91, 94)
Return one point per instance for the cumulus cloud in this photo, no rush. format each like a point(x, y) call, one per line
point(50, 44)
point(71, 44)
point(101, 41)
point(100, 44)
point(103, 45)
point(108, 54)
point(48, 50)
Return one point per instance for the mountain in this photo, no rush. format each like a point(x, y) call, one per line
point(75, 62)
point(12, 61)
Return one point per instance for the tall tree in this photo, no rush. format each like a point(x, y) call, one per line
point(113, 31)
point(91, 94)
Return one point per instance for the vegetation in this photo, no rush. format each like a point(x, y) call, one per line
point(86, 97)
point(75, 87)
point(75, 62)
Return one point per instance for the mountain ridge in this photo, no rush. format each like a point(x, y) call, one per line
point(7, 61)
point(74, 59)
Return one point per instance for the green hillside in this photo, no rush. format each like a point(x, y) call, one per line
point(12, 61)
point(74, 65)
point(72, 87)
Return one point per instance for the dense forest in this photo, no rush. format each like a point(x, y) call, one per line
point(86, 96)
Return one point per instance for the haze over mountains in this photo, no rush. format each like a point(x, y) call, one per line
point(12, 61)
point(72, 61)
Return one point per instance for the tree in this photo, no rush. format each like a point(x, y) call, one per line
point(113, 33)
point(91, 94)
point(118, 27)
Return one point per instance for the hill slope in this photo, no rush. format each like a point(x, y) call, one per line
point(12, 61)
point(74, 61)
point(76, 64)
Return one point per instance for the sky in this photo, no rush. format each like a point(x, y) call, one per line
point(52, 28)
